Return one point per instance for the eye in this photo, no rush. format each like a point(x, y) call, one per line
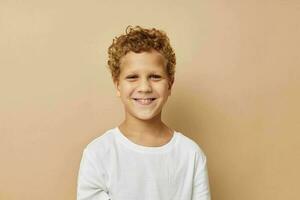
point(155, 77)
point(131, 77)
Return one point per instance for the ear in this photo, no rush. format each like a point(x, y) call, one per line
point(116, 83)
point(170, 85)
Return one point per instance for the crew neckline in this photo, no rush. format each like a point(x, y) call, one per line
point(142, 148)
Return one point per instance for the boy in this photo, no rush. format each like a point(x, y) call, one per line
point(142, 158)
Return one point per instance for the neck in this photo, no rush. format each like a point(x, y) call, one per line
point(144, 128)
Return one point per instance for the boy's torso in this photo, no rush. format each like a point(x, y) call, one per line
point(132, 174)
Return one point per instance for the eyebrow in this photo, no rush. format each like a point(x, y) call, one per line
point(151, 72)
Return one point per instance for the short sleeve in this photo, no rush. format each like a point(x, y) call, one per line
point(90, 182)
point(201, 190)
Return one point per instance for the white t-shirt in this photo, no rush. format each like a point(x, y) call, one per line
point(113, 167)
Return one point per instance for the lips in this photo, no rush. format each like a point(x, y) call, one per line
point(144, 101)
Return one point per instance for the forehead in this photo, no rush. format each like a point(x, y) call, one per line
point(152, 60)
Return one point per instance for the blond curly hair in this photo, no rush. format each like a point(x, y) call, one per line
point(138, 39)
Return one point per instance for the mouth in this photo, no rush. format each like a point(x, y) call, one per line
point(146, 101)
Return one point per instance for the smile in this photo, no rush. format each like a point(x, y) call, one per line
point(147, 101)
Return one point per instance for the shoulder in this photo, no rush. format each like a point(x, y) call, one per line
point(189, 145)
point(102, 143)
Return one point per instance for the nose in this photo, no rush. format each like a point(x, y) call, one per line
point(144, 86)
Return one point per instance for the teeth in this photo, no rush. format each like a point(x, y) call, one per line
point(145, 101)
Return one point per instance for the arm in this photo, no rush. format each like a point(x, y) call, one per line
point(90, 183)
point(201, 189)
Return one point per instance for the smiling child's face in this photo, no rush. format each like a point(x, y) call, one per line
point(143, 84)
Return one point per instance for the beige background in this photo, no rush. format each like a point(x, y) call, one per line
point(236, 91)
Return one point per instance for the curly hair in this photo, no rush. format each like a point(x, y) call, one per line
point(138, 39)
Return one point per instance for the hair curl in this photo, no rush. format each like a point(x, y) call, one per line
point(138, 39)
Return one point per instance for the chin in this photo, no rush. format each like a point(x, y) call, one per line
point(146, 117)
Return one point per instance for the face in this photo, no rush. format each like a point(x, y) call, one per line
point(143, 84)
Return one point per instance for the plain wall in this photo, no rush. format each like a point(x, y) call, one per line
point(236, 90)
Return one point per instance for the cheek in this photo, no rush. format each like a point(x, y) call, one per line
point(126, 90)
point(163, 90)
